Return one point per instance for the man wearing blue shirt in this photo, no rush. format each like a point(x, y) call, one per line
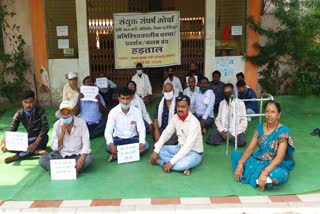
point(247, 93)
point(93, 113)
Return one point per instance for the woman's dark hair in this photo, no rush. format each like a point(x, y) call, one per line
point(277, 105)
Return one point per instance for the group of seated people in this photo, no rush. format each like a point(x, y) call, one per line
point(180, 120)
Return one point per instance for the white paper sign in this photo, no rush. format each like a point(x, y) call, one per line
point(62, 30)
point(17, 141)
point(89, 92)
point(195, 77)
point(63, 169)
point(236, 30)
point(102, 82)
point(128, 153)
point(63, 43)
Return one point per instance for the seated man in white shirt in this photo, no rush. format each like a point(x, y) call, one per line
point(164, 112)
point(175, 81)
point(70, 140)
point(138, 102)
point(144, 89)
point(191, 87)
point(188, 153)
point(220, 135)
point(125, 126)
point(202, 103)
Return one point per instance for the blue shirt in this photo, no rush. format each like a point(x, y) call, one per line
point(165, 115)
point(249, 94)
point(90, 112)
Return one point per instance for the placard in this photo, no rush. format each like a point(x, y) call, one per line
point(236, 30)
point(63, 43)
point(152, 39)
point(63, 169)
point(62, 30)
point(89, 93)
point(102, 82)
point(128, 153)
point(17, 141)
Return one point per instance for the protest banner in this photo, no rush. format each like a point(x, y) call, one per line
point(128, 153)
point(152, 39)
point(89, 93)
point(17, 141)
point(102, 82)
point(63, 169)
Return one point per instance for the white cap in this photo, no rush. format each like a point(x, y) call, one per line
point(71, 75)
point(66, 105)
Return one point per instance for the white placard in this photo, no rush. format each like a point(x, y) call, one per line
point(195, 77)
point(128, 153)
point(102, 82)
point(17, 141)
point(89, 93)
point(63, 169)
point(236, 30)
point(63, 43)
point(62, 31)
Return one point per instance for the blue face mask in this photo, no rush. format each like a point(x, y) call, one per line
point(29, 112)
point(67, 120)
point(125, 106)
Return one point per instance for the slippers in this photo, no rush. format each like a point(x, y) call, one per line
point(316, 132)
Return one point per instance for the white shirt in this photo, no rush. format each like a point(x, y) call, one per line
point(189, 136)
point(222, 118)
point(187, 91)
point(75, 143)
point(176, 85)
point(69, 94)
point(202, 103)
point(143, 84)
point(124, 125)
point(138, 102)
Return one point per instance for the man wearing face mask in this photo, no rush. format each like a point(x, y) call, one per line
point(35, 122)
point(125, 126)
point(188, 153)
point(144, 89)
point(202, 103)
point(164, 112)
point(70, 140)
point(175, 81)
point(220, 135)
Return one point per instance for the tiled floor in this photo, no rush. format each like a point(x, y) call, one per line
point(289, 204)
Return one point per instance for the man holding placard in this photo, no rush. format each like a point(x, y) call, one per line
point(125, 126)
point(188, 153)
point(93, 110)
point(70, 140)
point(106, 87)
point(35, 122)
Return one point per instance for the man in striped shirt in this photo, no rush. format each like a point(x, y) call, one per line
point(35, 122)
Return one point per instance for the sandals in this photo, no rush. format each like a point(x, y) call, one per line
point(315, 132)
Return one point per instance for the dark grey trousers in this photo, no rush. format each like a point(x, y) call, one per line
point(215, 138)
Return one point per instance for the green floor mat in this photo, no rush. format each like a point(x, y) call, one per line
point(26, 180)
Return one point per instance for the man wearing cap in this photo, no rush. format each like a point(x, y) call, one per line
point(188, 153)
point(71, 90)
point(92, 112)
point(125, 126)
point(144, 89)
point(70, 140)
point(35, 122)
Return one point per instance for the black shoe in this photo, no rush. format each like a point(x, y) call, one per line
point(316, 132)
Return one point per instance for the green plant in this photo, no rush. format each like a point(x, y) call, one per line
point(294, 44)
point(13, 65)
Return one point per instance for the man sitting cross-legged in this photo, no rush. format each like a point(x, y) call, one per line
point(35, 122)
point(188, 153)
point(70, 140)
point(125, 126)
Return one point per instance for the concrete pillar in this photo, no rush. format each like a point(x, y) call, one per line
point(210, 42)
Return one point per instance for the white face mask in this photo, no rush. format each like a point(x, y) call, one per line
point(168, 95)
point(139, 72)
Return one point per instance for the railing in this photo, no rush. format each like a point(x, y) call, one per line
point(264, 97)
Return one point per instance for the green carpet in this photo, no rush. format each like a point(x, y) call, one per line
point(26, 180)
